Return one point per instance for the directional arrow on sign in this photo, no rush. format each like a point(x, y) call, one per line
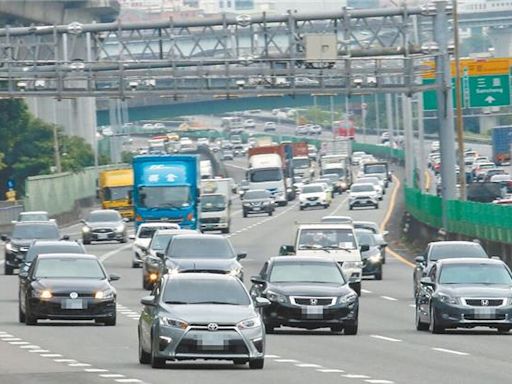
point(490, 99)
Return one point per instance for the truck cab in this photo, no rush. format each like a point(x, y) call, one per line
point(215, 207)
point(115, 188)
point(337, 241)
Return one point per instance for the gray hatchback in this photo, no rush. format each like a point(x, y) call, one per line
point(204, 316)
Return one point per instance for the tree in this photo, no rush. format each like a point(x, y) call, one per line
point(76, 154)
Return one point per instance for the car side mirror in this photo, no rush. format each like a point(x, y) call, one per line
point(384, 233)
point(258, 280)
point(65, 237)
point(82, 221)
point(419, 260)
point(427, 281)
point(241, 255)
point(160, 255)
point(286, 250)
point(364, 248)
point(23, 274)
point(126, 220)
point(384, 245)
point(4, 238)
point(260, 302)
point(113, 277)
point(131, 237)
point(148, 301)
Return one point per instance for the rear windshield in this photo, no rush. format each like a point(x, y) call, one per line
point(36, 231)
point(450, 251)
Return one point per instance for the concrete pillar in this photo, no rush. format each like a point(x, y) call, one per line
point(487, 123)
point(501, 38)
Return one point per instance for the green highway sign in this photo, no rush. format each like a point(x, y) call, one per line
point(477, 92)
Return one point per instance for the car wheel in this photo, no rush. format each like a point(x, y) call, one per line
point(377, 206)
point(350, 328)
point(357, 288)
point(420, 326)
point(135, 264)
point(269, 329)
point(21, 315)
point(326, 206)
point(301, 208)
point(156, 362)
point(86, 242)
point(434, 326)
point(29, 318)
point(337, 328)
point(123, 240)
point(349, 207)
point(111, 321)
point(224, 230)
point(378, 275)
point(270, 213)
point(256, 363)
point(503, 329)
point(245, 213)
point(8, 270)
point(144, 357)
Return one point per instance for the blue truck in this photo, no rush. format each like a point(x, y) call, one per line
point(166, 188)
point(501, 138)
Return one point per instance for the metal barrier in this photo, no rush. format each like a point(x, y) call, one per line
point(9, 212)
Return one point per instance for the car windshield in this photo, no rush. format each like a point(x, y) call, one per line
point(300, 163)
point(116, 193)
point(164, 197)
point(339, 238)
point(365, 238)
point(147, 232)
point(361, 188)
point(96, 217)
point(262, 175)
point(201, 248)
point(475, 274)
point(449, 251)
point(306, 272)
point(253, 195)
point(334, 171)
point(35, 231)
point(205, 291)
point(369, 226)
point(68, 267)
point(213, 203)
point(33, 217)
point(374, 168)
point(160, 242)
point(35, 250)
point(369, 180)
point(312, 189)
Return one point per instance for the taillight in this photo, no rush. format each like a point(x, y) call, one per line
point(190, 216)
point(138, 218)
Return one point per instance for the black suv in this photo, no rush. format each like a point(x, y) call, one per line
point(257, 201)
point(23, 234)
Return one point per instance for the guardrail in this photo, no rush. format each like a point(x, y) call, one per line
point(9, 212)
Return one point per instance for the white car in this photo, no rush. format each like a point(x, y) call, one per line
point(33, 216)
point(269, 126)
point(363, 195)
point(315, 129)
point(148, 126)
point(249, 124)
point(356, 157)
point(313, 195)
point(376, 183)
point(158, 126)
point(203, 141)
point(143, 237)
point(434, 147)
point(301, 130)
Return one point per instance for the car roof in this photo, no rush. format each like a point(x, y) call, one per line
point(34, 212)
point(371, 185)
point(462, 260)
point(60, 255)
point(314, 185)
point(325, 226)
point(367, 223)
point(176, 232)
point(447, 243)
point(199, 236)
point(158, 224)
point(55, 242)
point(301, 259)
point(27, 223)
point(200, 276)
point(103, 210)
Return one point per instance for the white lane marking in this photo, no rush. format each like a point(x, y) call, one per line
point(412, 305)
point(305, 365)
point(366, 291)
point(65, 360)
point(51, 355)
point(79, 365)
point(353, 376)
point(330, 370)
point(451, 351)
point(339, 206)
point(389, 298)
point(39, 350)
point(272, 356)
point(11, 339)
point(129, 381)
point(115, 252)
point(19, 342)
point(286, 361)
point(385, 338)
point(30, 347)
point(235, 166)
point(6, 335)
point(379, 381)
point(95, 370)
point(111, 375)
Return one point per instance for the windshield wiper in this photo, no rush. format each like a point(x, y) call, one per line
point(213, 302)
point(315, 247)
point(176, 302)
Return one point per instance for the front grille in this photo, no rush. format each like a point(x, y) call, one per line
point(312, 198)
point(363, 197)
point(321, 301)
point(484, 302)
point(210, 220)
point(194, 345)
point(484, 316)
point(102, 230)
point(89, 295)
point(256, 204)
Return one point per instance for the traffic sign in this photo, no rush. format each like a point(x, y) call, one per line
point(11, 184)
point(489, 91)
point(430, 97)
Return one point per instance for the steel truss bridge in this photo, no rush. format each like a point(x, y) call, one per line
point(350, 52)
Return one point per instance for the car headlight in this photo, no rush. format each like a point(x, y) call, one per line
point(247, 205)
point(343, 185)
point(276, 297)
point(106, 294)
point(348, 299)
point(374, 259)
point(509, 301)
point(86, 229)
point(447, 299)
point(9, 247)
point(42, 293)
point(253, 322)
point(173, 323)
point(237, 272)
point(120, 228)
point(352, 264)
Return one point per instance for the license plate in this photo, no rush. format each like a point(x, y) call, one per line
point(73, 304)
point(485, 313)
point(102, 236)
point(256, 208)
point(212, 341)
point(314, 310)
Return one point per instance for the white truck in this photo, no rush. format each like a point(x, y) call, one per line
point(266, 172)
point(206, 170)
point(336, 241)
point(215, 213)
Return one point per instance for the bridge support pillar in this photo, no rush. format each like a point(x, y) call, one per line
point(501, 39)
point(487, 123)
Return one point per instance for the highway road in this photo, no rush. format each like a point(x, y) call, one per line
point(387, 349)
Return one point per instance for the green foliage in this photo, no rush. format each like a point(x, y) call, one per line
point(127, 157)
point(76, 153)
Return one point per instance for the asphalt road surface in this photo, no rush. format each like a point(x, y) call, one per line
point(387, 349)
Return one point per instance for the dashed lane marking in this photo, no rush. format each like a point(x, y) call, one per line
point(95, 370)
point(51, 355)
point(286, 361)
point(129, 381)
point(379, 381)
point(365, 291)
point(385, 338)
point(111, 375)
point(451, 351)
point(389, 298)
point(325, 370)
point(115, 252)
point(354, 376)
point(306, 365)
